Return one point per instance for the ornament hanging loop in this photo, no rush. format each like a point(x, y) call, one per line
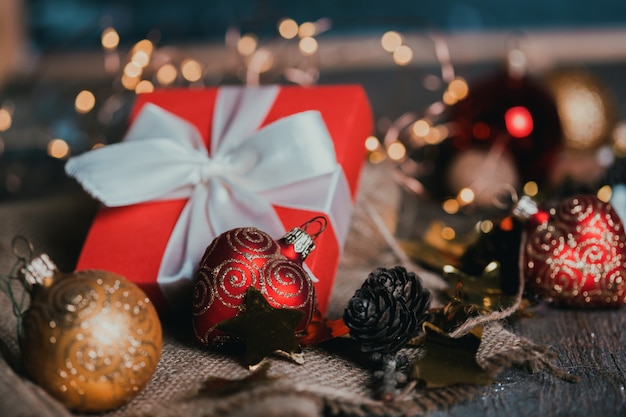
point(22, 248)
point(505, 197)
point(321, 223)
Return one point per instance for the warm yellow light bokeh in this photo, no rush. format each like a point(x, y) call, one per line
point(308, 46)
point(466, 195)
point(306, 30)
point(450, 206)
point(6, 120)
point(421, 128)
point(372, 143)
point(458, 88)
point(531, 188)
point(58, 148)
point(166, 75)
point(84, 102)
point(396, 151)
point(391, 41)
point(191, 70)
point(605, 193)
point(402, 55)
point(110, 38)
point(288, 28)
point(247, 44)
point(144, 86)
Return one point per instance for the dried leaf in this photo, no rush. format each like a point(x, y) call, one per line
point(449, 361)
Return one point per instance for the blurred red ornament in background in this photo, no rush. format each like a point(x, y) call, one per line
point(512, 121)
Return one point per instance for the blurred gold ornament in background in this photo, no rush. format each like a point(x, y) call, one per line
point(585, 108)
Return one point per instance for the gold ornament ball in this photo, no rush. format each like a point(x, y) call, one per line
point(585, 108)
point(92, 339)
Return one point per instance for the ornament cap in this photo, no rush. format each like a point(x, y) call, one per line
point(298, 243)
point(527, 210)
point(40, 271)
point(301, 242)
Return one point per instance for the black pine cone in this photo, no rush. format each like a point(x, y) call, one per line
point(386, 312)
point(404, 286)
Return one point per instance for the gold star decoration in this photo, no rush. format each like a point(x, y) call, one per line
point(264, 329)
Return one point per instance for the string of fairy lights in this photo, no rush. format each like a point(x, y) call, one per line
point(146, 66)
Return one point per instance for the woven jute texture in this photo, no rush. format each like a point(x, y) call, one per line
point(335, 378)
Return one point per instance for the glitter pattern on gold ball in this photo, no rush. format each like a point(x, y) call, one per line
point(91, 339)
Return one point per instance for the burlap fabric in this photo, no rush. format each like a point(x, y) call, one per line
point(335, 378)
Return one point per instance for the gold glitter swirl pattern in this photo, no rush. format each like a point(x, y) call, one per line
point(239, 259)
point(251, 242)
point(92, 339)
point(284, 282)
point(575, 212)
point(231, 279)
point(203, 294)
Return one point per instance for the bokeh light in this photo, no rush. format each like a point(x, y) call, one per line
point(466, 195)
point(166, 75)
point(191, 70)
point(403, 55)
point(448, 233)
point(308, 46)
point(391, 41)
point(144, 86)
point(247, 44)
point(140, 59)
point(145, 46)
point(129, 83)
point(396, 151)
point(458, 88)
point(421, 128)
point(518, 121)
point(605, 193)
point(110, 38)
point(306, 30)
point(84, 102)
point(288, 28)
point(531, 188)
point(132, 69)
point(450, 206)
point(58, 148)
point(6, 120)
point(372, 143)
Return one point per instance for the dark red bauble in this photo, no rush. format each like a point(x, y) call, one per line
point(577, 258)
point(509, 120)
point(248, 257)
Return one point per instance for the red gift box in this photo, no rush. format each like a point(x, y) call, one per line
point(130, 240)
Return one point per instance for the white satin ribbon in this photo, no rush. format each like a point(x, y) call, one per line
point(290, 163)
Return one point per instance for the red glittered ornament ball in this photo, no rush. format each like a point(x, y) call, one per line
point(575, 254)
point(248, 257)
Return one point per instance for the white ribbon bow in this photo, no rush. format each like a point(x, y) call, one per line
point(290, 163)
